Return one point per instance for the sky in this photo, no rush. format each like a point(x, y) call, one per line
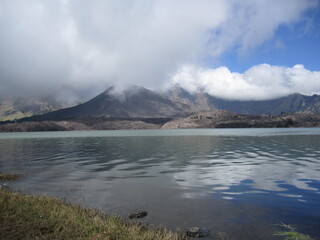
point(239, 50)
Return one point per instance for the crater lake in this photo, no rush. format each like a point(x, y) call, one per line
point(238, 183)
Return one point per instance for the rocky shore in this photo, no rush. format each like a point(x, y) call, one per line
point(74, 126)
point(208, 119)
point(226, 119)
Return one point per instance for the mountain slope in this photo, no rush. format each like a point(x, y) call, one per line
point(135, 102)
point(201, 101)
point(227, 119)
point(16, 108)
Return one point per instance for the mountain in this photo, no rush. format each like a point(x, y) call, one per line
point(141, 103)
point(198, 101)
point(140, 108)
point(201, 101)
point(16, 108)
point(135, 102)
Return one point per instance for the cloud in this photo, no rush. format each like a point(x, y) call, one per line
point(77, 48)
point(251, 23)
point(260, 82)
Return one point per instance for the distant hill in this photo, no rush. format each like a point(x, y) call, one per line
point(227, 119)
point(201, 101)
point(16, 108)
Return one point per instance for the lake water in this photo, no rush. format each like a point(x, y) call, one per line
point(239, 183)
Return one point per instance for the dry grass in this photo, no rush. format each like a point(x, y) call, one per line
point(291, 233)
point(41, 217)
point(8, 177)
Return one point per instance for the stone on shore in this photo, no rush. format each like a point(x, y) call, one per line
point(140, 214)
point(197, 232)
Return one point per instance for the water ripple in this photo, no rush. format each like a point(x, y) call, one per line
point(267, 170)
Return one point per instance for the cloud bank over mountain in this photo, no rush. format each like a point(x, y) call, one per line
point(261, 82)
point(77, 48)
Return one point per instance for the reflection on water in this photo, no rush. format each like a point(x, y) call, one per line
point(235, 181)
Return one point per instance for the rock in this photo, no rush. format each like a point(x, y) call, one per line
point(140, 214)
point(193, 232)
point(4, 186)
point(197, 232)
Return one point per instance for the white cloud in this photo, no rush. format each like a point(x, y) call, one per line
point(260, 82)
point(252, 22)
point(82, 47)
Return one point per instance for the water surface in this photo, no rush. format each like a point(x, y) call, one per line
point(238, 183)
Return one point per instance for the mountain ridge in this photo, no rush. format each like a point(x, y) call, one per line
point(20, 107)
point(138, 102)
point(290, 104)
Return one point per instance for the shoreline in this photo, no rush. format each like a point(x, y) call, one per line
point(211, 119)
point(55, 127)
point(44, 217)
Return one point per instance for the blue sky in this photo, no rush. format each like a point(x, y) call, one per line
point(298, 43)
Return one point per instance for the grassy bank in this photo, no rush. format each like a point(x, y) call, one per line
point(41, 217)
point(291, 234)
point(8, 177)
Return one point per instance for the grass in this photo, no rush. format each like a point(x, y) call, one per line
point(291, 234)
point(8, 177)
point(42, 217)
